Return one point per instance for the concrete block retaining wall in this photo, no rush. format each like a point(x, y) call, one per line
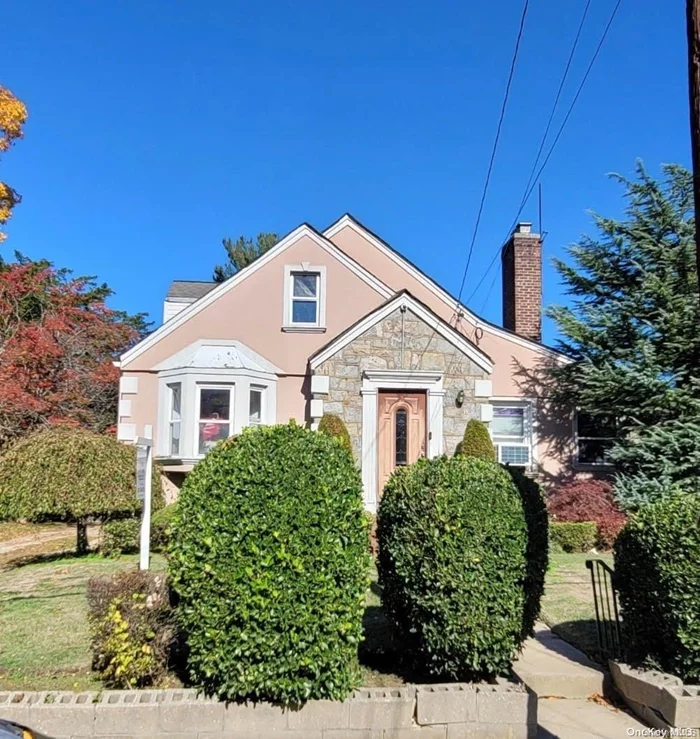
point(659, 699)
point(454, 711)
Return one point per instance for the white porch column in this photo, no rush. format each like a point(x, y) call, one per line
point(435, 436)
point(369, 448)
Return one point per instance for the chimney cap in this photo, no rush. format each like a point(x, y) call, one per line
point(524, 227)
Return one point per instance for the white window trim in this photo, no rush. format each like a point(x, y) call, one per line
point(588, 465)
point(263, 400)
point(191, 379)
point(320, 325)
point(172, 421)
point(530, 419)
point(231, 387)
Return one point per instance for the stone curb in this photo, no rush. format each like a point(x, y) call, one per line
point(505, 709)
point(676, 703)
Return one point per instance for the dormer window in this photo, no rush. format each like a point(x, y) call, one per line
point(304, 298)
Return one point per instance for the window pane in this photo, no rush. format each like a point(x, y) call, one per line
point(214, 403)
point(598, 425)
point(175, 401)
point(255, 408)
point(303, 311)
point(401, 432)
point(594, 451)
point(305, 285)
point(508, 422)
point(515, 455)
point(211, 432)
point(175, 438)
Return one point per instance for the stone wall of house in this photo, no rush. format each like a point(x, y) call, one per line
point(422, 348)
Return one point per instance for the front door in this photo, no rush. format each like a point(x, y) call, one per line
point(400, 431)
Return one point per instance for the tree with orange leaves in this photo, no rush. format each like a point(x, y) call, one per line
point(13, 115)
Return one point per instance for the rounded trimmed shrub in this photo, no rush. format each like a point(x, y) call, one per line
point(69, 474)
point(123, 535)
point(333, 426)
point(476, 442)
point(269, 557)
point(657, 573)
point(452, 564)
point(578, 537)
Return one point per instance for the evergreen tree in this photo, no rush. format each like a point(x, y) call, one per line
point(242, 252)
point(632, 331)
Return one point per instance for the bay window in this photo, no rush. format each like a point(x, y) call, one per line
point(174, 418)
point(215, 415)
point(255, 405)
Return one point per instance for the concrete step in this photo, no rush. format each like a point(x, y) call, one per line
point(549, 666)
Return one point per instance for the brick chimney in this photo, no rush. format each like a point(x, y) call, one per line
point(521, 260)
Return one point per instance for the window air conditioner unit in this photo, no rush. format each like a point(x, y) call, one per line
point(516, 455)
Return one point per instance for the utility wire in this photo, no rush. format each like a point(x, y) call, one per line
point(530, 188)
point(495, 144)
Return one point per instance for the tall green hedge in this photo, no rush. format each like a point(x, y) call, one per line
point(657, 573)
point(452, 563)
point(269, 557)
point(334, 426)
point(476, 442)
point(70, 474)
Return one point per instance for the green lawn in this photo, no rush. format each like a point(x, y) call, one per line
point(567, 606)
point(44, 639)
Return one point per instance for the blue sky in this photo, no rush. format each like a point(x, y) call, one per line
point(157, 128)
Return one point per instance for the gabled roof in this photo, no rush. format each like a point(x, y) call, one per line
point(349, 220)
point(189, 289)
point(218, 354)
point(399, 300)
point(222, 288)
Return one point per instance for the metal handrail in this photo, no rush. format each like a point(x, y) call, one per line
point(607, 614)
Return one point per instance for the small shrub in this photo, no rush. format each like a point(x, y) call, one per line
point(120, 536)
point(270, 560)
point(477, 442)
point(372, 528)
point(657, 573)
point(537, 553)
point(334, 427)
point(132, 628)
point(69, 474)
point(161, 527)
point(573, 537)
point(452, 547)
point(588, 500)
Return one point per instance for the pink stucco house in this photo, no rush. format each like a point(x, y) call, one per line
point(339, 322)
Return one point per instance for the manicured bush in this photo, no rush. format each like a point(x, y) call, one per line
point(588, 500)
point(476, 442)
point(120, 536)
point(333, 426)
point(68, 474)
point(657, 573)
point(132, 626)
point(537, 552)
point(452, 564)
point(573, 537)
point(161, 527)
point(269, 557)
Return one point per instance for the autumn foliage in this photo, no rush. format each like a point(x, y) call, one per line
point(588, 500)
point(13, 115)
point(57, 344)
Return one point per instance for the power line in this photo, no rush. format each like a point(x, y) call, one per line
point(495, 144)
point(532, 184)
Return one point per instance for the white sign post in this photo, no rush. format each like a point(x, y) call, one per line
point(144, 470)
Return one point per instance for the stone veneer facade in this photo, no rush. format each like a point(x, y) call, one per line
point(386, 346)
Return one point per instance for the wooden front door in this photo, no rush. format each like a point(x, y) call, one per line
point(400, 431)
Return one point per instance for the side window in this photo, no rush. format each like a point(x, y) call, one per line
point(594, 437)
point(511, 434)
point(175, 418)
point(305, 295)
point(255, 406)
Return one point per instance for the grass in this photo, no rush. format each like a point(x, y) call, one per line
point(44, 639)
point(567, 605)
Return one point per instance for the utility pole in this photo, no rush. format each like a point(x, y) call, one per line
point(693, 25)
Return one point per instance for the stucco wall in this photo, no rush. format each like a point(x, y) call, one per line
point(380, 347)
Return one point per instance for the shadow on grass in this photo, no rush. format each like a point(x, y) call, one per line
point(32, 559)
point(583, 635)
